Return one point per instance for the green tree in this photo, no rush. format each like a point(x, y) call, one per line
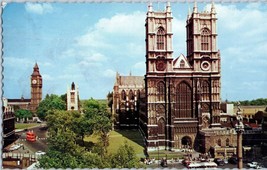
point(110, 100)
point(125, 157)
point(63, 150)
point(22, 113)
point(100, 119)
point(51, 102)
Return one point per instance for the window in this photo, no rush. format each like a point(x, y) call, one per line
point(205, 91)
point(160, 39)
point(227, 142)
point(72, 97)
point(219, 142)
point(161, 91)
point(131, 95)
point(205, 40)
point(123, 95)
point(183, 101)
point(182, 64)
point(161, 126)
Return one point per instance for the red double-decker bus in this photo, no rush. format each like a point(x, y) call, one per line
point(30, 136)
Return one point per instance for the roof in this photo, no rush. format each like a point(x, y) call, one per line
point(132, 80)
point(18, 100)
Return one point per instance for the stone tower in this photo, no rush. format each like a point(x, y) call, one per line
point(204, 57)
point(73, 97)
point(182, 94)
point(36, 88)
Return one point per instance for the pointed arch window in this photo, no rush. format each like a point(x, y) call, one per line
point(205, 40)
point(219, 142)
point(161, 91)
point(183, 101)
point(182, 64)
point(227, 142)
point(205, 91)
point(131, 95)
point(160, 39)
point(161, 126)
point(123, 95)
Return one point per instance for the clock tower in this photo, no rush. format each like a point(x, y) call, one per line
point(36, 88)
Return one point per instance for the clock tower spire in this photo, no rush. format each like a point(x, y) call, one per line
point(36, 88)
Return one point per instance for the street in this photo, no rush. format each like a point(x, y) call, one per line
point(31, 147)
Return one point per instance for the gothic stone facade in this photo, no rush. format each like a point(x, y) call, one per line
point(183, 94)
point(127, 94)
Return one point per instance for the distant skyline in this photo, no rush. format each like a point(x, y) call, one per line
point(87, 43)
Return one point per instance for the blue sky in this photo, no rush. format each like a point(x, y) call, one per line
point(88, 42)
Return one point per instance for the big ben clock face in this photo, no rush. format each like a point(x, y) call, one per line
point(34, 81)
point(161, 65)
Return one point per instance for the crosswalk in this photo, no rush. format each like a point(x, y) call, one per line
point(36, 139)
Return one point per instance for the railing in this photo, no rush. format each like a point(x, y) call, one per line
point(32, 157)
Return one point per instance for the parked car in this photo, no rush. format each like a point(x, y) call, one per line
point(15, 147)
point(39, 153)
point(219, 161)
point(252, 164)
point(232, 160)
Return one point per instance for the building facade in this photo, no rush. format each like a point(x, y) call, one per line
point(128, 92)
point(73, 97)
point(36, 93)
point(8, 124)
point(183, 94)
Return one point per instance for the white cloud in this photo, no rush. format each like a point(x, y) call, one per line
point(140, 65)
point(112, 30)
point(109, 73)
point(24, 62)
point(126, 24)
point(38, 8)
point(47, 77)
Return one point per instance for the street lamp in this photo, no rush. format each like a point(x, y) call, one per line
point(158, 138)
point(239, 127)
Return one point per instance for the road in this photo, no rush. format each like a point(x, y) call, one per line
point(31, 147)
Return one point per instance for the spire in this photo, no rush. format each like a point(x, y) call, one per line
point(150, 7)
point(168, 7)
point(213, 11)
point(36, 69)
point(189, 12)
point(195, 7)
point(36, 65)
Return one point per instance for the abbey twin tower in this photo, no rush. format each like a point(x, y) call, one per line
point(177, 103)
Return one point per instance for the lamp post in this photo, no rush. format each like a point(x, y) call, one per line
point(239, 127)
point(158, 138)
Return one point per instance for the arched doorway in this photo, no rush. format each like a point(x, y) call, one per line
point(186, 142)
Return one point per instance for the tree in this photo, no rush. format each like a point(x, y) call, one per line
point(22, 113)
point(110, 100)
point(125, 157)
point(51, 102)
point(102, 126)
point(63, 150)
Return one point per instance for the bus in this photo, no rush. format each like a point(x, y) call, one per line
point(30, 136)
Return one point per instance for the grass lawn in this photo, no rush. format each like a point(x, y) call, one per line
point(25, 125)
point(117, 139)
point(163, 153)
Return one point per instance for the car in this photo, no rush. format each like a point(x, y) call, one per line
point(39, 121)
point(252, 164)
point(39, 153)
point(219, 161)
point(232, 160)
point(15, 147)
